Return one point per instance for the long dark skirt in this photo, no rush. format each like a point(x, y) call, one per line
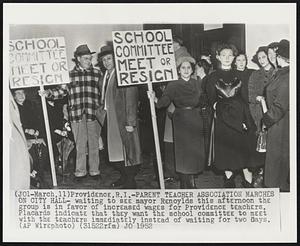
point(232, 148)
point(188, 141)
point(206, 115)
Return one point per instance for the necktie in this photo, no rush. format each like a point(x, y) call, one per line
point(105, 86)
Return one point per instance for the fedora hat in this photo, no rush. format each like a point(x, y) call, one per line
point(284, 49)
point(83, 50)
point(105, 50)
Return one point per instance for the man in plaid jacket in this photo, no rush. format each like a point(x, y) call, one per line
point(83, 101)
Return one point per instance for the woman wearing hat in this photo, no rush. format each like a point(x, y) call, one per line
point(187, 122)
point(276, 120)
point(118, 115)
point(169, 156)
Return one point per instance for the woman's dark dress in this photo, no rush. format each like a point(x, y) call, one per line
point(187, 124)
point(244, 77)
point(232, 141)
point(30, 119)
point(56, 121)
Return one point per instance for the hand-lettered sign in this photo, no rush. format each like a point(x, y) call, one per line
point(144, 56)
point(36, 62)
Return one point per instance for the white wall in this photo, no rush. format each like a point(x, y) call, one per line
point(97, 35)
point(94, 36)
point(262, 35)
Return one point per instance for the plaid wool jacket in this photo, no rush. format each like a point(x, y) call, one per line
point(83, 93)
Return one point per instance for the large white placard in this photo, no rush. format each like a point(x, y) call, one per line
point(144, 56)
point(36, 62)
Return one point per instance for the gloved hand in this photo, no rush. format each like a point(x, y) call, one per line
point(45, 93)
point(67, 126)
point(151, 95)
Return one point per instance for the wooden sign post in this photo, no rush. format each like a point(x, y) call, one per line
point(156, 139)
point(145, 57)
point(49, 140)
point(39, 62)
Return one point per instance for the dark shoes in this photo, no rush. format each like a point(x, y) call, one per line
point(246, 184)
point(80, 179)
point(192, 185)
point(37, 181)
point(118, 183)
point(62, 172)
point(229, 183)
point(169, 180)
point(96, 177)
point(124, 183)
point(129, 184)
point(128, 173)
point(187, 181)
point(258, 181)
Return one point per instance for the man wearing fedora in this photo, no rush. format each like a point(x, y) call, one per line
point(83, 102)
point(118, 115)
point(276, 119)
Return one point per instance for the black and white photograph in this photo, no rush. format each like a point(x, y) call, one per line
point(149, 118)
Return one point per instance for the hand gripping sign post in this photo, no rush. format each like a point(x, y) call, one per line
point(39, 62)
point(145, 57)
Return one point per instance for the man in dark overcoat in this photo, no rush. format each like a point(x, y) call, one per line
point(118, 116)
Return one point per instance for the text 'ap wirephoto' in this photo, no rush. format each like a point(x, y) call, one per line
point(144, 56)
point(36, 62)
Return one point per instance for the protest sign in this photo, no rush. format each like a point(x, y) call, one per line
point(39, 62)
point(36, 62)
point(144, 56)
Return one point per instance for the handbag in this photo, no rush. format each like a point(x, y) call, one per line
point(261, 145)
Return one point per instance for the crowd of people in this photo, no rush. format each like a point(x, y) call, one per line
point(211, 117)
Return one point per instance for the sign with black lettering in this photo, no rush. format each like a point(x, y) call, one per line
point(36, 62)
point(144, 56)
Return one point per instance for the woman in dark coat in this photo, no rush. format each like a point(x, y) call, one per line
point(187, 123)
point(276, 120)
point(257, 83)
point(233, 126)
point(203, 68)
point(243, 73)
point(35, 134)
point(55, 115)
